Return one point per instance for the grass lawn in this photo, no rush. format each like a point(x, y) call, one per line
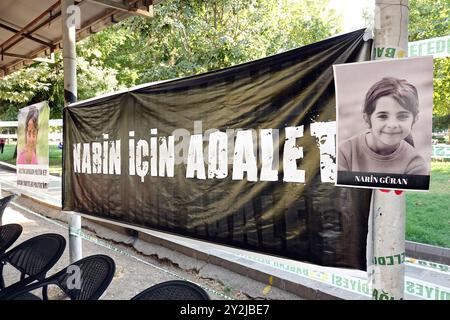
point(427, 213)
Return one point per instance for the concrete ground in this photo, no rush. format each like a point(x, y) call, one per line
point(136, 271)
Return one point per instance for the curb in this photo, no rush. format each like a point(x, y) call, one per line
point(427, 252)
point(412, 249)
point(303, 287)
point(306, 287)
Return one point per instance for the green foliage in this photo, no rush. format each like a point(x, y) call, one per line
point(185, 37)
point(94, 79)
point(188, 37)
point(44, 81)
point(431, 19)
point(441, 98)
point(27, 86)
point(428, 19)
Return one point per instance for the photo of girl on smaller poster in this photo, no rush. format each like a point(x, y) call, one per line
point(384, 123)
point(32, 146)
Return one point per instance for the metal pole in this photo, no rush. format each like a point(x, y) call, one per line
point(68, 21)
point(387, 268)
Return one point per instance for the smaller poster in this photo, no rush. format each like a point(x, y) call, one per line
point(384, 123)
point(32, 146)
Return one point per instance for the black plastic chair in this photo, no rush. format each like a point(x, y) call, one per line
point(173, 290)
point(9, 233)
point(95, 274)
point(33, 258)
point(4, 203)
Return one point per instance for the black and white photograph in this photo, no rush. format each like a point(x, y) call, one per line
point(384, 123)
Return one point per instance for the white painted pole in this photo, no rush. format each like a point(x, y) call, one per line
point(387, 269)
point(70, 19)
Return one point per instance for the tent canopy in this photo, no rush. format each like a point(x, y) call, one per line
point(31, 30)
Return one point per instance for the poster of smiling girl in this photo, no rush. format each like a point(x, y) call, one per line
point(32, 146)
point(384, 123)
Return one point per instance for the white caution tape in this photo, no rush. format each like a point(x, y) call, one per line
point(436, 267)
point(418, 288)
point(413, 286)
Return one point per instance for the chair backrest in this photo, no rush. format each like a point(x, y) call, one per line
point(173, 290)
point(4, 203)
point(35, 256)
point(95, 274)
point(8, 235)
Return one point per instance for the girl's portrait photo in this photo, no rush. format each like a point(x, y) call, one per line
point(32, 135)
point(28, 153)
point(32, 146)
point(384, 111)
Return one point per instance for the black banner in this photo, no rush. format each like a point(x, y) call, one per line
point(243, 156)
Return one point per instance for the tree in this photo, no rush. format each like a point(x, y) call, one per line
point(185, 37)
point(27, 86)
point(44, 81)
point(188, 37)
point(430, 19)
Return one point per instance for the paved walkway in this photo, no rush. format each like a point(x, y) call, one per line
point(136, 271)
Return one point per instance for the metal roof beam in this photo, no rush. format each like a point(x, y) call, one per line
point(14, 55)
point(18, 34)
point(99, 22)
point(125, 7)
point(27, 35)
point(53, 17)
point(37, 59)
